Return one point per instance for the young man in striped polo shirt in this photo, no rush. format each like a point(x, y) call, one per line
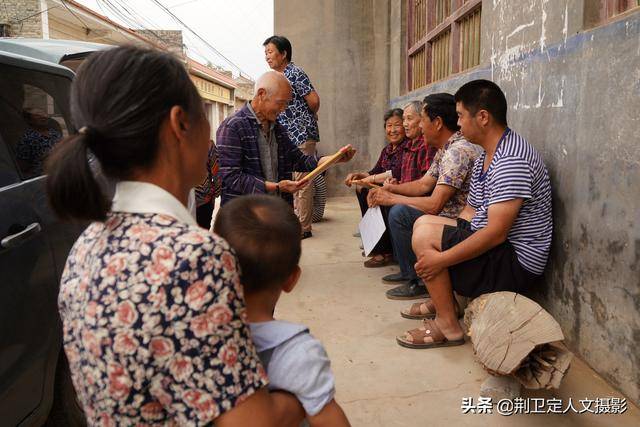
point(501, 240)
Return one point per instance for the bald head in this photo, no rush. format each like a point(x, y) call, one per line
point(271, 97)
point(272, 82)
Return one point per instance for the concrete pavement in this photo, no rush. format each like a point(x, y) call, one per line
point(382, 384)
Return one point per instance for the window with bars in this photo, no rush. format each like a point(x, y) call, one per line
point(443, 38)
point(599, 12)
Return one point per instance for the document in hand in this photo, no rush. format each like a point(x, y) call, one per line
point(371, 228)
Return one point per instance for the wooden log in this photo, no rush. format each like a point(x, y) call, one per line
point(544, 367)
point(513, 335)
point(505, 327)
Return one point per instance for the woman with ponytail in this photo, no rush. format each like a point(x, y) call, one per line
point(151, 304)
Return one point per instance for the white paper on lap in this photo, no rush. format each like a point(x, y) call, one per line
point(371, 228)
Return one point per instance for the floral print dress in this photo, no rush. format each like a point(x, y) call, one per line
point(154, 323)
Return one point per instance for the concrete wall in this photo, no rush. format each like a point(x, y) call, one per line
point(574, 93)
point(344, 50)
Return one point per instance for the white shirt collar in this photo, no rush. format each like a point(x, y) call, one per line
point(144, 197)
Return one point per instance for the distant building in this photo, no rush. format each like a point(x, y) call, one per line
point(69, 20)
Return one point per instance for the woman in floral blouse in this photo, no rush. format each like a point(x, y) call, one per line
point(389, 165)
point(152, 309)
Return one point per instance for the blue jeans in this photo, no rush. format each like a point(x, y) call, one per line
point(401, 220)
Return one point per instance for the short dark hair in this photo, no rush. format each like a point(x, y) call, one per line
point(394, 112)
point(121, 127)
point(444, 106)
point(481, 94)
point(282, 44)
point(265, 234)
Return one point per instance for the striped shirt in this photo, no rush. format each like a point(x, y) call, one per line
point(516, 171)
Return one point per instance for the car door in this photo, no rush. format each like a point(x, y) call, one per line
point(33, 118)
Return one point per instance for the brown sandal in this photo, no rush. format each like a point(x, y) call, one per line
point(416, 338)
point(383, 261)
point(423, 310)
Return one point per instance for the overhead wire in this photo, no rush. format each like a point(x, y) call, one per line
point(187, 27)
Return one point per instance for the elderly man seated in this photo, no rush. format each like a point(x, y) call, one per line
point(255, 152)
point(441, 191)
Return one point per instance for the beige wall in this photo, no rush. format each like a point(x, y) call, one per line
point(570, 92)
point(344, 51)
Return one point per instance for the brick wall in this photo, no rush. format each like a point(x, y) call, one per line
point(23, 17)
point(172, 39)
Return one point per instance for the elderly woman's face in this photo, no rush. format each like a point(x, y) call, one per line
point(411, 123)
point(274, 58)
point(394, 130)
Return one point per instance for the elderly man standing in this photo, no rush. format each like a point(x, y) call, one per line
point(255, 152)
point(300, 118)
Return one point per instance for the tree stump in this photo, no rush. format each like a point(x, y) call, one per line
point(513, 335)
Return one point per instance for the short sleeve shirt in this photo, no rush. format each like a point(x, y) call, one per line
point(298, 118)
point(154, 323)
point(517, 171)
point(452, 166)
point(298, 363)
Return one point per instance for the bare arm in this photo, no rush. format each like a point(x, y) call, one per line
point(500, 219)
point(257, 410)
point(331, 415)
point(313, 101)
point(419, 187)
point(431, 204)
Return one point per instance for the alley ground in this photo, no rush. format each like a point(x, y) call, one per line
point(382, 384)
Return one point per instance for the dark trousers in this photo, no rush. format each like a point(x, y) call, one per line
point(401, 220)
point(384, 245)
point(204, 214)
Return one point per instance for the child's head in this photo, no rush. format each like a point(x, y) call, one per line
point(265, 234)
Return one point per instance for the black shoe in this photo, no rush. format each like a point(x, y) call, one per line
point(306, 235)
point(395, 278)
point(415, 289)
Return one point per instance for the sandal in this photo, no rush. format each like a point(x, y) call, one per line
point(416, 338)
point(379, 261)
point(425, 310)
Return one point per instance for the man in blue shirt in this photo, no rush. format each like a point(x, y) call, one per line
point(501, 240)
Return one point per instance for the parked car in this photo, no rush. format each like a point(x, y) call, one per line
point(34, 116)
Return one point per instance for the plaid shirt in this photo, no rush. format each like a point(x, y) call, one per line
point(416, 159)
point(239, 156)
point(390, 159)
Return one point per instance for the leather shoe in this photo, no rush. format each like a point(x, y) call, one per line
point(415, 289)
point(394, 278)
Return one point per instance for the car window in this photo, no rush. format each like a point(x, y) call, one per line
point(34, 116)
point(8, 172)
